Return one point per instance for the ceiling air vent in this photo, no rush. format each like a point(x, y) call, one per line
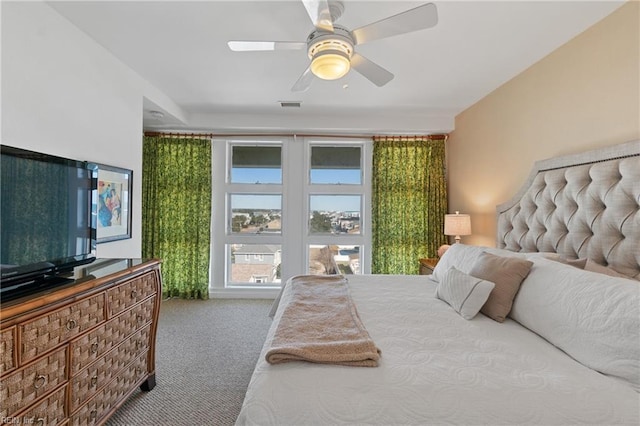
point(290, 104)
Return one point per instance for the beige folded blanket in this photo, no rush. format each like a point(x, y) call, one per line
point(320, 323)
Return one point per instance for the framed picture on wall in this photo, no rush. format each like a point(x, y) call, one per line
point(111, 210)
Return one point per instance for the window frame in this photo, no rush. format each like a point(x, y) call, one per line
point(296, 188)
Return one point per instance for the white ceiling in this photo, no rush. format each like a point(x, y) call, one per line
point(180, 48)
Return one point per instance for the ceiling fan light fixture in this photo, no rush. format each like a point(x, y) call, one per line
point(330, 55)
point(330, 64)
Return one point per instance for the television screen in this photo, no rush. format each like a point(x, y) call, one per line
point(45, 214)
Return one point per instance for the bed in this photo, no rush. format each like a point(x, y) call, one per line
point(567, 350)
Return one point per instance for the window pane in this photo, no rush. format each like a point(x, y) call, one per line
point(256, 214)
point(256, 164)
point(335, 165)
point(334, 214)
point(255, 264)
point(334, 259)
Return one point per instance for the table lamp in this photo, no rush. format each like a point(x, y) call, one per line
point(457, 225)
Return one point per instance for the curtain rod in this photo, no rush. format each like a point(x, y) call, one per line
point(439, 136)
point(434, 137)
point(179, 135)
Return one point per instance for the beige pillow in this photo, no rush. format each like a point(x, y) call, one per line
point(507, 273)
point(577, 263)
point(596, 267)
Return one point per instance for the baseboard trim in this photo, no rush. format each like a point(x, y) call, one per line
point(244, 293)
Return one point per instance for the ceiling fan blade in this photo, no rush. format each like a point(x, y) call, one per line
point(304, 82)
point(419, 18)
point(255, 46)
point(374, 72)
point(318, 11)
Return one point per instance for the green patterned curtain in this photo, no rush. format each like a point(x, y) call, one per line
point(176, 212)
point(409, 201)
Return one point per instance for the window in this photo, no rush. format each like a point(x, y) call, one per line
point(248, 261)
point(336, 165)
point(255, 213)
point(338, 197)
point(256, 164)
point(334, 259)
point(289, 206)
point(334, 214)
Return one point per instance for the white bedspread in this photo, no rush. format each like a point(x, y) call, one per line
point(437, 368)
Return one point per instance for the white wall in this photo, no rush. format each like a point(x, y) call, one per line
point(63, 94)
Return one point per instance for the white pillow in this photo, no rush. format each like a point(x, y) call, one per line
point(593, 317)
point(465, 294)
point(460, 256)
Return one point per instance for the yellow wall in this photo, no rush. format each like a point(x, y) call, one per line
point(584, 95)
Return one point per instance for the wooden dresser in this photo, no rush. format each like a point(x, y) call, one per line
point(71, 355)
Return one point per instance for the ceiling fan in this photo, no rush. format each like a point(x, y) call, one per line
point(331, 47)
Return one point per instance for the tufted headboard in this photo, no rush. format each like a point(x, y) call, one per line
point(580, 206)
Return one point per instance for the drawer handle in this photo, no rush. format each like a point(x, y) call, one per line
point(71, 324)
point(94, 381)
point(93, 414)
point(39, 421)
point(94, 348)
point(140, 318)
point(134, 294)
point(39, 381)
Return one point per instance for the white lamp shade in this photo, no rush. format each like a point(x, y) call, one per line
point(457, 224)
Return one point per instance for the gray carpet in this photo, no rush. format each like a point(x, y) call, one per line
point(205, 354)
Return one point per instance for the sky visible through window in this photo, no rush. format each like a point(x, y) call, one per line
point(274, 176)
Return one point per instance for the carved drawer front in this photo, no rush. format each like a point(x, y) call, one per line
point(48, 331)
point(88, 381)
point(106, 399)
point(49, 412)
point(128, 294)
point(90, 347)
point(142, 314)
point(21, 388)
point(7, 350)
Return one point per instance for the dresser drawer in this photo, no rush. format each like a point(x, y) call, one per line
point(49, 412)
point(88, 381)
point(7, 350)
point(128, 294)
point(21, 388)
point(48, 331)
point(91, 346)
point(107, 398)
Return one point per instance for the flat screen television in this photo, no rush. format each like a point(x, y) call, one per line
point(45, 220)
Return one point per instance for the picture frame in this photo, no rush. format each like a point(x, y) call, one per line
point(112, 200)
